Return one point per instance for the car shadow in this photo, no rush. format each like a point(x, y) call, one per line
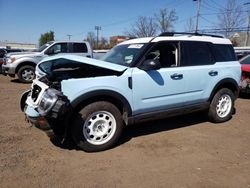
point(16, 81)
point(244, 95)
point(163, 125)
point(143, 129)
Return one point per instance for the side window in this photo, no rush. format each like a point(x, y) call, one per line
point(79, 48)
point(245, 60)
point(224, 52)
point(165, 52)
point(58, 48)
point(2, 53)
point(197, 53)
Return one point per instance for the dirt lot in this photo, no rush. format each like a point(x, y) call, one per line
point(177, 152)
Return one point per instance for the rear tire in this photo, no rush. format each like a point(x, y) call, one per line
point(222, 106)
point(26, 74)
point(97, 126)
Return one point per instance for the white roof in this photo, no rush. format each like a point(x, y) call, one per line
point(215, 40)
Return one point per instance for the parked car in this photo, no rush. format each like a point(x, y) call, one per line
point(138, 80)
point(3, 52)
point(245, 77)
point(97, 54)
point(23, 64)
point(242, 51)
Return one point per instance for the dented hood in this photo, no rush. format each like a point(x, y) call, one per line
point(89, 61)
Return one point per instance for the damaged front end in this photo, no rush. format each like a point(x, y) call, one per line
point(45, 107)
point(48, 104)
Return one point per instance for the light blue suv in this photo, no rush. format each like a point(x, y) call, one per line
point(138, 80)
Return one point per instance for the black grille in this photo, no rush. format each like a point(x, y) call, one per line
point(35, 92)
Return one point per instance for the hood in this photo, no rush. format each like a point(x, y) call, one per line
point(64, 67)
point(89, 61)
point(23, 54)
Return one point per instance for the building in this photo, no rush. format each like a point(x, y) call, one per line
point(240, 39)
point(117, 39)
point(15, 45)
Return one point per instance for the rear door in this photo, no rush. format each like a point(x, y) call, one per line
point(198, 68)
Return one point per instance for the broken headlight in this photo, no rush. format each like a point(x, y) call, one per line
point(47, 102)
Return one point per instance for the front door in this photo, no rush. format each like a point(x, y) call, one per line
point(163, 88)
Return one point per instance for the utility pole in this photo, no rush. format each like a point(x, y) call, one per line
point(197, 15)
point(97, 28)
point(248, 25)
point(69, 36)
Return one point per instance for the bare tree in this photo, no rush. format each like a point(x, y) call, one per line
point(91, 38)
point(165, 20)
point(103, 43)
point(190, 26)
point(143, 27)
point(230, 18)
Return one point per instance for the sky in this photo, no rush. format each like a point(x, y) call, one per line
point(25, 20)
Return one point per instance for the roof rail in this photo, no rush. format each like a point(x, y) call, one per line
point(170, 34)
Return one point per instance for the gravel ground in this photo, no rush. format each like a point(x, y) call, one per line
point(186, 151)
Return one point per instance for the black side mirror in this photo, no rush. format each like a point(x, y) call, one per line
point(150, 64)
point(50, 52)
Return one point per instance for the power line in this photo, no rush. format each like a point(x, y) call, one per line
point(208, 6)
point(218, 5)
point(206, 20)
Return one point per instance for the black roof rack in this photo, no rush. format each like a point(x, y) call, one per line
point(170, 34)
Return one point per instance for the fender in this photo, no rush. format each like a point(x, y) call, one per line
point(23, 99)
point(230, 83)
point(103, 94)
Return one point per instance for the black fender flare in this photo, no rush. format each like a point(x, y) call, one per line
point(103, 94)
point(228, 83)
point(23, 99)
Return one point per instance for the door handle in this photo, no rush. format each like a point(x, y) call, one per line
point(213, 73)
point(176, 76)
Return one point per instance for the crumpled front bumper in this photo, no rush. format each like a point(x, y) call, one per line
point(32, 115)
point(43, 121)
point(35, 118)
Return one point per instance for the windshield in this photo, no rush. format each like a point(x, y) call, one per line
point(123, 54)
point(43, 47)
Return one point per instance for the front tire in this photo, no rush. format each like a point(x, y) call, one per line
point(97, 126)
point(222, 106)
point(26, 74)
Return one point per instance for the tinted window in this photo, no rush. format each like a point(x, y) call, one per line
point(59, 48)
point(80, 48)
point(2, 52)
point(223, 52)
point(197, 53)
point(13, 50)
point(245, 60)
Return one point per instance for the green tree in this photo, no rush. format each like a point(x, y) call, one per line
point(46, 37)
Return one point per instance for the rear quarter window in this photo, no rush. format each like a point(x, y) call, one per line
point(80, 48)
point(223, 52)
